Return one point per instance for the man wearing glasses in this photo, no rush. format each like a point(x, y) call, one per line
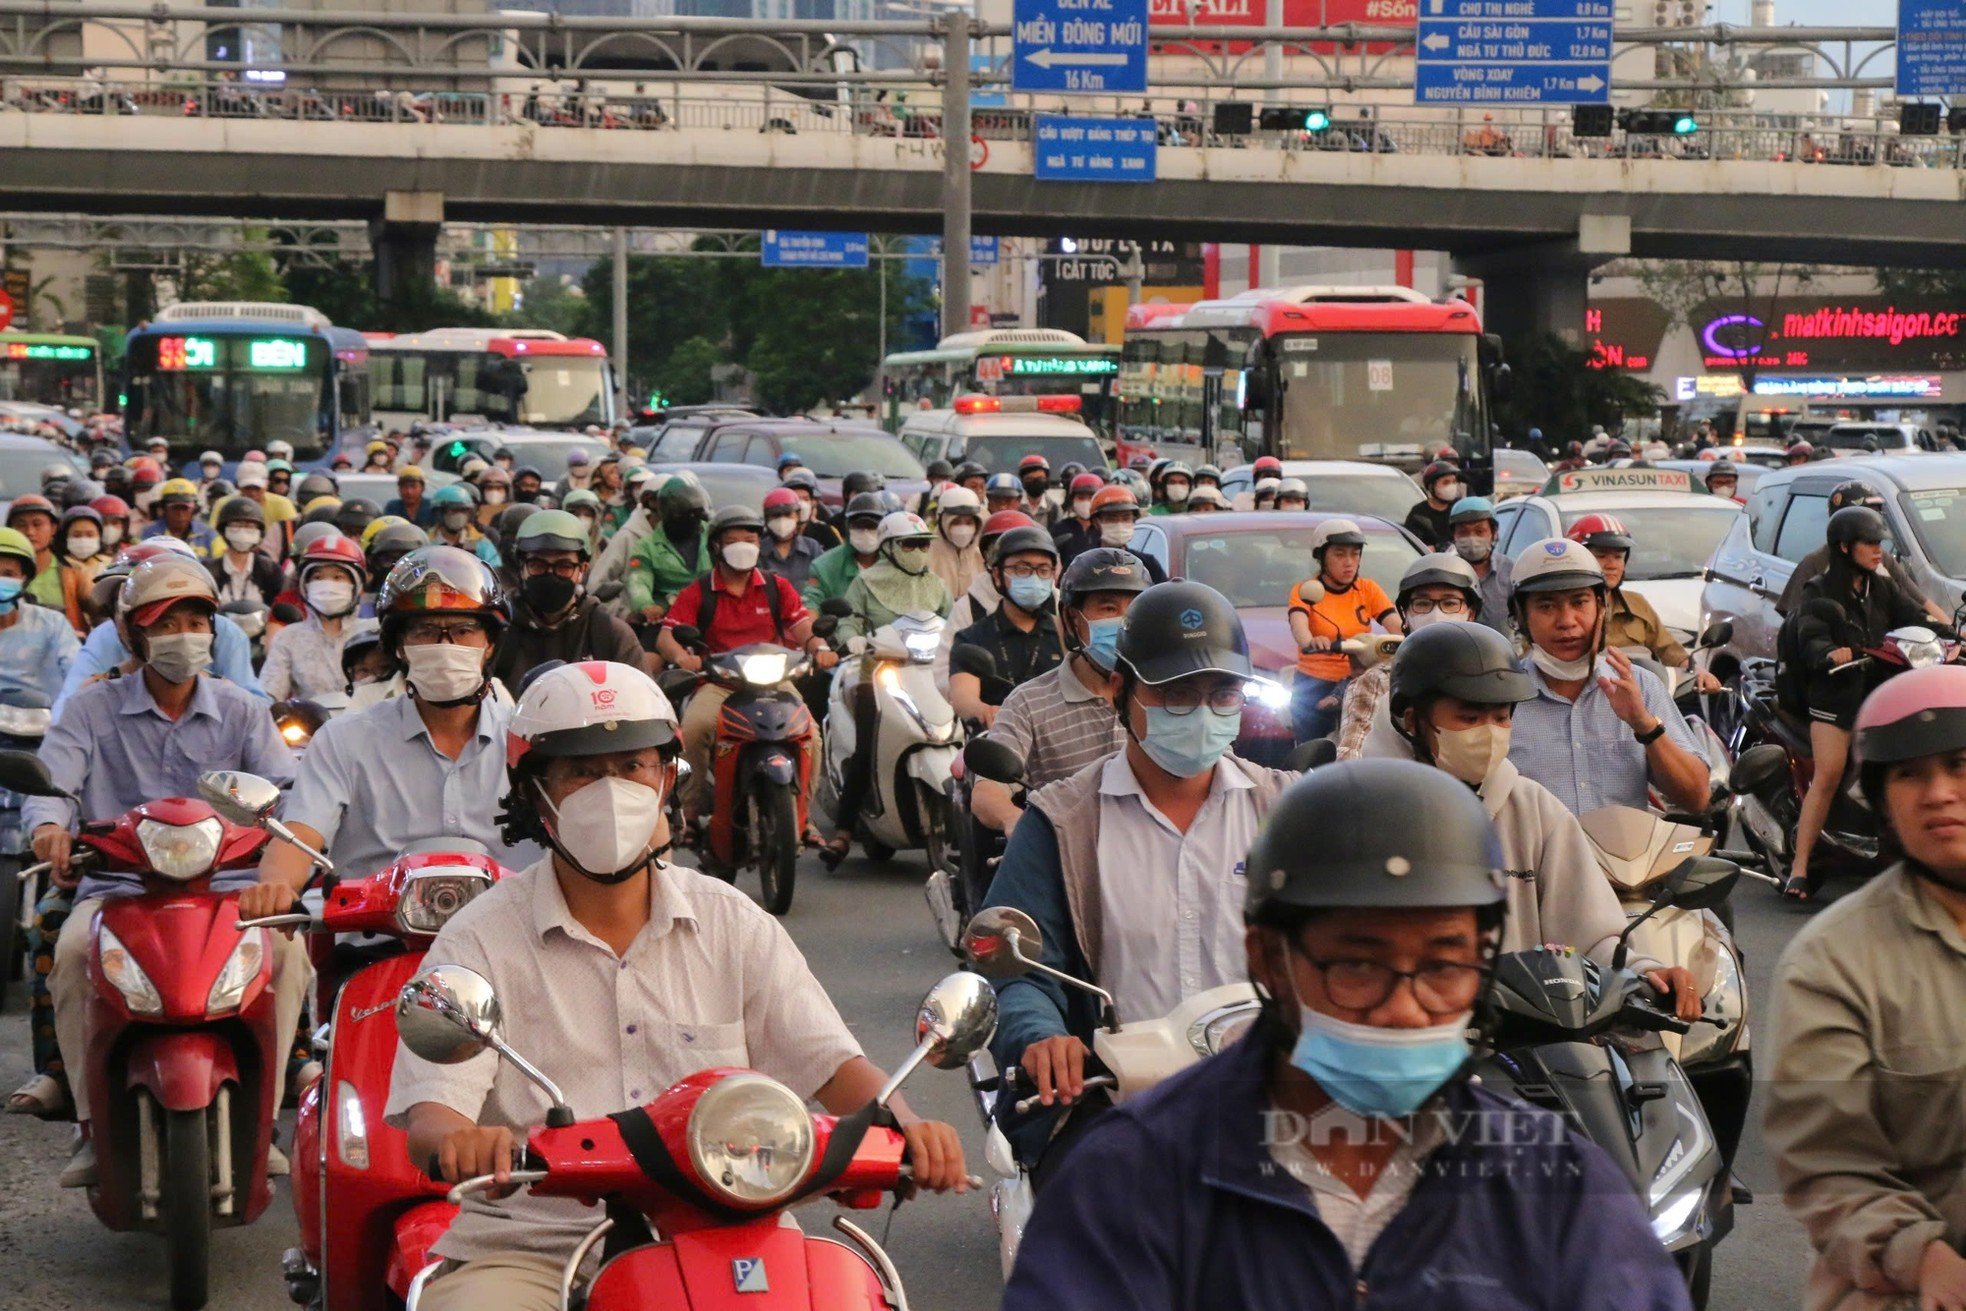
point(1020, 635)
point(425, 765)
point(553, 618)
point(1133, 867)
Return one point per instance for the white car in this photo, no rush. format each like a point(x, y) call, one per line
point(1339, 487)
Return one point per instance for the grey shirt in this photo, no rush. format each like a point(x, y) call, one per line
point(114, 749)
point(1582, 751)
point(1058, 724)
point(1495, 588)
point(372, 782)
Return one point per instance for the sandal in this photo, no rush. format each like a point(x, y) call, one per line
point(812, 837)
point(833, 853)
point(1799, 888)
point(43, 1095)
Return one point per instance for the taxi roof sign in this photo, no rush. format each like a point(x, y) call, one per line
point(1619, 480)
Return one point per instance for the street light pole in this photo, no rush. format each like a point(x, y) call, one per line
point(1269, 258)
point(955, 172)
point(620, 307)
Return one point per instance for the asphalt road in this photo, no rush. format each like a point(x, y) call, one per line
point(867, 933)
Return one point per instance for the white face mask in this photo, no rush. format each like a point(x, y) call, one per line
point(864, 540)
point(606, 829)
point(244, 540)
point(960, 535)
point(1471, 754)
point(1567, 671)
point(1474, 549)
point(741, 556)
point(1446, 490)
point(179, 656)
point(83, 548)
point(454, 520)
point(1177, 493)
point(145, 499)
point(1415, 622)
point(494, 496)
point(805, 510)
point(330, 598)
point(112, 536)
point(784, 526)
point(1117, 533)
point(445, 671)
point(1082, 508)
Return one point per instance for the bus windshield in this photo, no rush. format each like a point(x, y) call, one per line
point(50, 372)
point(560, 391)
point(1377, 395)
point(231, 393)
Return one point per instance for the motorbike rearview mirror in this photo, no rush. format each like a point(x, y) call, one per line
point(1314, 754)
point(956, 1020)
point(1701, 883)
point(675, 682)
point(1758, 767)
point(26, 773)
point(969, 658)
point(837, 606)
point(825, 625)
point(1310, 591)
point(242, 798)
point(608, 591)
point(1718, 633)
point(449, 1014)
point(1001, 942)
point(985, 757)
point(688, 636)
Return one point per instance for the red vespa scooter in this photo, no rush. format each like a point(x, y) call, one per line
point(367, 1217)
point(182, 1040)
point(696, 1182)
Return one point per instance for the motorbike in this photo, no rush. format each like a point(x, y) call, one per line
point(1126, 1059)
point(696, 1184)
point(757, 765)
point(957, 893)
point(367, 1216)
point(1771, 809)
point(24, 719)
point(916, 740)
point(299, 719)
point(182, 1040)
point(1584, 1042)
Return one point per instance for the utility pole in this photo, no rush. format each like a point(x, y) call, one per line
point(955, 172)
point(620, 299)
point(1268, 268)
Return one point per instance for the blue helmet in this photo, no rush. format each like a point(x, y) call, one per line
point(1472, 509)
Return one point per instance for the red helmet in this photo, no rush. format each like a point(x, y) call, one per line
point(342, 552)
point(1803, 449)
point(1087, 482)
point(1031, 462)
point(1005, 520)
point(1268, 466)
point(110, 507)
point(781, 499)
point(1921, 712)
point(1114, 497)
point(1600, 532)
point(145, 472)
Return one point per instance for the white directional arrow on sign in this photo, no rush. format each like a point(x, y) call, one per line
point(1591, 83)
point(1438, 41)
point(1049, 58)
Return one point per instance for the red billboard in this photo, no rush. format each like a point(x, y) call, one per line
point(1165, 17)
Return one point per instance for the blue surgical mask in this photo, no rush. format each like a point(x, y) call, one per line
point(10, 590)
point(1370, 1070)
point(1190, 744)
point(1030, 593)
point(1102, 642)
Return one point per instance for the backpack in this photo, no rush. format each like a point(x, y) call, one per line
point(706, 614)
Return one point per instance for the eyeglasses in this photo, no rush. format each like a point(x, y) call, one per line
point(1225, 700)
point(643, 767)
point(1031, 570)
point(1441, 987)
point(1447, 605)
point(422, 632)
point(567, 569)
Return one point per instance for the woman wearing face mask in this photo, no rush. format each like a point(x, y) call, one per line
point(242, 570)
point(1077, 531)
point(304, 659)
point(1435, 589)
point(789, 553)
point(36, 646)
point(115, 514)
point(79, 557)
point(495, 488)
point(955, 557)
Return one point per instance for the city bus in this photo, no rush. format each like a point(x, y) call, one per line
point(1002, 362)
point(1308, 373)
point(494, 375)
point(231, 376)
point(50, 369)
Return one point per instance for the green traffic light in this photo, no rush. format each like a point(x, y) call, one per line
point(1685, 125)
point(1317, 120)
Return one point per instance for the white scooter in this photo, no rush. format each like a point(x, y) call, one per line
point(916, 739)
point(1127, 1059)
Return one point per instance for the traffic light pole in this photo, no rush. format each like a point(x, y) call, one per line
point(955, 172)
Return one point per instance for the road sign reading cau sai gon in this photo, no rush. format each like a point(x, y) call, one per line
point(1513, 52)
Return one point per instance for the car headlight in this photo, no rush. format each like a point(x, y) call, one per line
point(750, 1140)
point(1266, 693)
point(922, 646)
point(434, 895)
point(180, 851)
point(125, 975)
point(241, 968)
point(764, 669)
point(351, 1140)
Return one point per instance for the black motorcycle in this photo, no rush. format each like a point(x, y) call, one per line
point(24, 719)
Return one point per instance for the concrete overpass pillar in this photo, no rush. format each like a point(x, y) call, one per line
point(405, 243)
point(1543, 288)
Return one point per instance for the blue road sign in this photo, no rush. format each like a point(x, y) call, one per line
point(814, 250)
point(1513, 52)
point(1931, 48)
point(1086, 46)
point(1094, 149)
point(982, 251)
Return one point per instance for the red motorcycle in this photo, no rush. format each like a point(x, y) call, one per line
point(368, 1218)
point(182, 1040)
point(696, 1182)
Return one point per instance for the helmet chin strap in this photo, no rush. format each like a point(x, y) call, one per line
point(650, 857)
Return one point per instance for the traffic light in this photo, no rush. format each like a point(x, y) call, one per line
point(1234, 118)
point(1659, 122)
point(1920, 118)
point(1282, 118)
point(1685, 125)
point(1956, 119)
point(1590, 120)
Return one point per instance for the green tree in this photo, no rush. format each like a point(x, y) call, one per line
point(550, 304)
point(1558, 389)
point(828, 351)
point(670, 301)
point(684, 377)
point(345, 292)
point(242, 275)
point(1948, 285)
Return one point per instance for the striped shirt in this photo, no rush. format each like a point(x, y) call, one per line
point(1058, 724)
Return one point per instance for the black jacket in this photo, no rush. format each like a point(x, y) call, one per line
point(1430, 525)
point(589, 633)
point(267, 576)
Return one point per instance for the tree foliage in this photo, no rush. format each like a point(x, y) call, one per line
point(1557, 388)
point(345, 292)
point(1947, 285)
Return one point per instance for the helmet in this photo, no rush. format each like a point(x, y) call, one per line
point(154, 586)
point(1436, 471)
point(453, 495)
point(339, 551)
point(866, 505)
point(409, 473)
point(1101, 569)
point(13, 543)
point(589, 708)
point(1722, 468)
point(1086, 482)
point(1208, 495)
point(1857, 523)
point(58, 474)
point(497, 477)
point(682, 498)
point(803, 479)
point(1071, 469)
point(1208, 471)
point(551, 530)
point(1472, 509)
point(110, 507)
point(1344, 836)
point(249, 614)
point(939, 470)
point(1267, 466)
point(1471, 662)
point(505, 526)
point(307, 534)
point(970, 469)
point(1557, 564)
point(1173, 469)
point(1114, 497)
point(781, 500)
point(1033, 461)
point(1294, 487)
point(316, 484)
point(901, 526)
point(355, 514)
point(376, 447)
point(321, 510)
point(80, 492)
point(1854, 492)
point(958, 500)
point(1600, 532)
point(581, 498)
point(735, 516)
point(240, 509)
point(1921, 712)
point(394, 542)
point(1176, 629)
point(357, 644)
point(1440, 570)
point(1002, 522)
point(175, 491)
point(790, 457)
point(1802, 450)
point(28, 504)
point(1023, 539)
point(1265, 487)
point(1004, 484)
point(1334, 532)
point(862, 480)
point(440, 579)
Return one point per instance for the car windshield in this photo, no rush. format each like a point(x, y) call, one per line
point(1520, 466)
point(1257, 566)
point(1671, 541)
point(1003, 451)
point(732, 484)
point(550, 457)
point(837, 454)
point(1938, 520)
point(1340, 493)
point(21, 466)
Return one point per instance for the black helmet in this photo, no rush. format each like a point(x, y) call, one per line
point(1854, 492)
point(359, 644)
point(316, 484)
point(1176, 629)
point(355, 514)
point(1471, 662)
point(1101, 569)
point(1857, 523)
point(682, 498)
point(735, 516)
point(862, 480)
point(1436, 471)
point(940, 471)
point(970, 469)
point(1723, 469)
point(390, 544)
point(80, 492)
point(323, 513)
point(240, 509)
point(1022, 540)
point(1346, 836)
point(866, 505)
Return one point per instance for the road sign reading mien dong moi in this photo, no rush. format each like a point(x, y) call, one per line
point(1090, 47)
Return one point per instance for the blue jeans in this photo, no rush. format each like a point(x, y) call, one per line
point(1307, 719)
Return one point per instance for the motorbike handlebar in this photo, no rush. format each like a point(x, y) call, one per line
point(484, 1183)
point(1028, 1104)
point(296, 920)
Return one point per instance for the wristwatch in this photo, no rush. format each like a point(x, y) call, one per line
point(1651, 735)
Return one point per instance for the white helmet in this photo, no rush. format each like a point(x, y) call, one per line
point(900, 525)
point(1335, 532)
point(1293, 487)
point(588, 709)
point(957, 499)
point(1556, 564)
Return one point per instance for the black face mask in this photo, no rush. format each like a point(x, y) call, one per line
point(549, 594)
point(683, 527)
point(1034, 487)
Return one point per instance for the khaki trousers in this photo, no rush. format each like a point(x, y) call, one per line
point(69, 985)
point(508, 1281)
point(700, 734)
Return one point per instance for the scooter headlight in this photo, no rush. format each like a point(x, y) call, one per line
point(434, 895)
point(1725, 1000)
point(764, 669)
point(750, 1140)
point(180, 851)
point(23, 721)
point(241, 968)
point(1267, 693)
point(125, 975)
point(922, 646)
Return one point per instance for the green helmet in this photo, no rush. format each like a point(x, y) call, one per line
point(13, 542)
point(551, 530)
point(579, 499)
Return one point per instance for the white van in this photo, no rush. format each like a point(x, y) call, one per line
point(998, 431)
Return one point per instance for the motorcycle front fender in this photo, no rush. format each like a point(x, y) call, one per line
point(933, 766)
point(183, 1069)
point(774, 766)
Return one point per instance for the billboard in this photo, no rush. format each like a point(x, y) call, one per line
point(1844, 334)
point(1166, 17)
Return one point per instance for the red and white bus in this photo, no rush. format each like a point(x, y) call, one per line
point(498, 375)
point(1308, 373)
